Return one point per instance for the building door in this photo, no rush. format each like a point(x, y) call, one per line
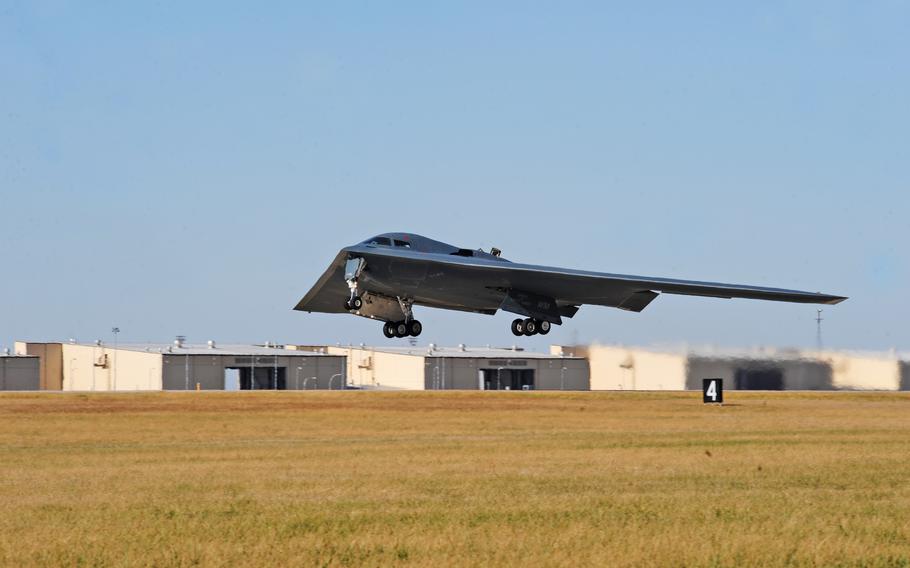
point(263, 378)
point(231, 379)
point(495, 379)
point(525, 379)
point(507, 379)
point(759, 379)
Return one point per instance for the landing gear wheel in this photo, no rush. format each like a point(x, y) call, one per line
point(543, 328)
point(401, 329)
point(530, 327)
point(414, 328)
point(388, 329)
point(518, 327)
point(347, 305)
point(356, 303)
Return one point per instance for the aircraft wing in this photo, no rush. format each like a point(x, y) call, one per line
point(329, 292)
point(473, 283)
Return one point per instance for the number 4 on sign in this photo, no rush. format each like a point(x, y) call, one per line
point(712, 391)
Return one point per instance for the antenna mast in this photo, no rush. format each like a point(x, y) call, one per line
point(818, 329)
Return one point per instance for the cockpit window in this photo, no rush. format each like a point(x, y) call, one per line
point(404, 244)
point(384, 241)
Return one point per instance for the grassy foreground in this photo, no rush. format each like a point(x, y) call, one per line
point(369, 478)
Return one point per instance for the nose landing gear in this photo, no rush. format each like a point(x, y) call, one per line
point(530, 326)
point(354, 304)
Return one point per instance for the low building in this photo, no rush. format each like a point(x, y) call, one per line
point(181, 366)
point(615, 367)
point(863, 370)
point(19, 372)
point(467, 368)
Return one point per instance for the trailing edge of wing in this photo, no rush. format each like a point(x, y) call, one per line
point(638, 301)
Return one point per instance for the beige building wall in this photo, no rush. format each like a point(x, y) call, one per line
point(623, 368)
point(98, 368)
point(50, 362)
point(863, 372)
point(368, 368)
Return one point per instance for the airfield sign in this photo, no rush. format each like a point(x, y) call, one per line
point(712, 391)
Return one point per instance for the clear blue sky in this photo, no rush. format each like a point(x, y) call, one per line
point(192, 167)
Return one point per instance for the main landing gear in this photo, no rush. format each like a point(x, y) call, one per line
point(530, 326)
point(402, 329)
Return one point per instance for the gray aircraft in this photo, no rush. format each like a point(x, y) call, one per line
point(382, 278)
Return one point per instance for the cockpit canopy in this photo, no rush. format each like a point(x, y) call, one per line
point(387, 242)
point(417, 243)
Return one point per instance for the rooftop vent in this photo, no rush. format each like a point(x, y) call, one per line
point(98, 342)
point(72, 340)
point(211, 344)
point(178, 342)
point(6, 351)
point(462, 347)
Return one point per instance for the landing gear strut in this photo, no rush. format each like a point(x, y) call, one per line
point(352, 270)
point(530, 326)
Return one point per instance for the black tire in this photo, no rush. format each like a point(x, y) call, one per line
point(357, 303)
point(388, 329)
point(414, 328)
point(544, 327)
point(347, 305)
point(401, 329)
point(518, 327)
point(530, 327)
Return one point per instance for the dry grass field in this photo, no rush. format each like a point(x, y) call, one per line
point(457, 478)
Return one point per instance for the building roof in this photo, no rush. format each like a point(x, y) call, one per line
point(461, 352)
point(217, 349)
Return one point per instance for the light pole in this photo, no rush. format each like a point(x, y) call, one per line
point(115, 331)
